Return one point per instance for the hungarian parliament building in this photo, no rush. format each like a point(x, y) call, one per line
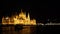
point(19, 19)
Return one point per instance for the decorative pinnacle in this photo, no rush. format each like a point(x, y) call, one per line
point(21, 10)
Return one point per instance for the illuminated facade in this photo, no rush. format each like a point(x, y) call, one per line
point(19, 19)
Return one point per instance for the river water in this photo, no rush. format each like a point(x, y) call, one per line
point(30, 29)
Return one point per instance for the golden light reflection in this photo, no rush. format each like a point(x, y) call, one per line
point(19, 19)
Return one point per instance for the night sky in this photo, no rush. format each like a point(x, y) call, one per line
point(40, 10)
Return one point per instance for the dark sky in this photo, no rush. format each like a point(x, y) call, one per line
point(40, 10)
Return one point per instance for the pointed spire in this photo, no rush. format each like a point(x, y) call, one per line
point(28, 16)
point(21, 10)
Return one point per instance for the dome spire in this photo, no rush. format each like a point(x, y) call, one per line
point(21, 10)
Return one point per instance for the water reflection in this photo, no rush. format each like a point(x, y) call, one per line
point(18, 29)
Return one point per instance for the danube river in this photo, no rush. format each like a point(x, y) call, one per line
point(29, 29)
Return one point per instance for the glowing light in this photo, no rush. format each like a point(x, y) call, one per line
point(7, 17)
point(20, 19)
